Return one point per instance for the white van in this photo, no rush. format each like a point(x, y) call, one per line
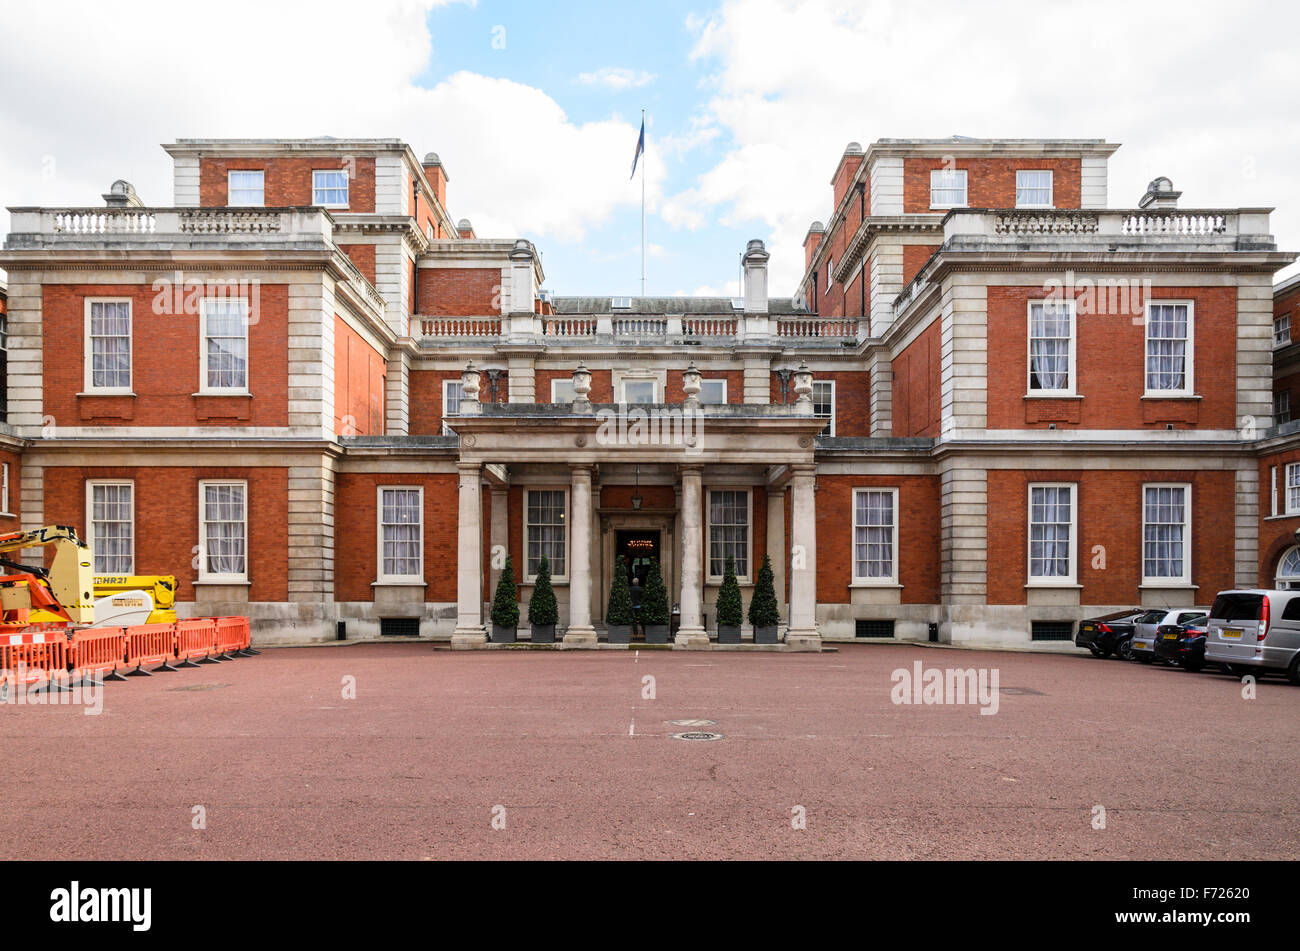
point(1255, 630)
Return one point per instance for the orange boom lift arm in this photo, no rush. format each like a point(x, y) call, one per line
point(65, 589)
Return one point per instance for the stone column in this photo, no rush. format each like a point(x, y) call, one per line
point(498, 535)
point(802, 633)
point(776, 549)
point(690, 631)
point(469, 632)
point(580, 633)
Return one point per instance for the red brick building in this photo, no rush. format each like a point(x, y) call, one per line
point(994, 404)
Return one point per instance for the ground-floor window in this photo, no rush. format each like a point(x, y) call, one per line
point(223, 530)
point(875, 536)
point(401, 535)
point(1288, 571)
point(546, 535)
point(111, 524)
point(1165, 518)
point(1051, 533)
point(728, 531)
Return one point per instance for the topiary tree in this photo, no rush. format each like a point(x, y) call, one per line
point(731, 609)
point(763, 611)
point(654, 603)
point(505, 604)
point(542, 609)
point(620, 596)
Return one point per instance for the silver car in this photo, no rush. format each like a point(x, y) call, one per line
point(1144, 629)
point(1255, 630)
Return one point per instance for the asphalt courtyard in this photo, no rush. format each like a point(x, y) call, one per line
point(565, 752)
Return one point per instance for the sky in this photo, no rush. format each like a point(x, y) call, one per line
point(535, 108)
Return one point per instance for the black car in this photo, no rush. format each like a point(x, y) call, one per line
point(1182, 644)
point(1112, 634)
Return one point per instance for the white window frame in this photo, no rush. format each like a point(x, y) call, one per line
point(561, 381)
point(88, 383)
point(1290, 482)
point(1069, 390)
point(1291, 582)
point(1051, 187)
point(446, 398)
point(965, 187)
point(830, 420)
point(4, 489)
point(568, 533)
point(1281, 331)
point(867, 581)
point(1072, 576)
point(654, 386)
point(347, 187)
point(230, 188)
point(1185, 579)
point(91, 485)
point(204, 574)
point(708, 532)
point(204, 388)
point(1189, 383)
point(830, 272)
point(380, 575)
point(1280, 397)
point(718, 380)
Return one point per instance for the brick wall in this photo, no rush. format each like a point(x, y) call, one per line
point(990, 182)
point(167, 519)
point(363, 256)
point(287, 181)
point(1109, 516)
point(1111, 361)
point(735, 384)
point(602, 385)
point(852, 399)
point(460, 291)
point(166, 363)
point(916, 397)
point(426, 391)
point(359, 372)
point(914, 258)
point(1276, 534)
point(356, 563)
point(918, 536)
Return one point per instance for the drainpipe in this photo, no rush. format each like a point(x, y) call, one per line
point(415, 278)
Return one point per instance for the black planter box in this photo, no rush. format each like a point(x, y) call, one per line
point(656, 633)
point(728, 635)
point(620, 633)
point(543, 633)
point(504, 635)
point(765, 635)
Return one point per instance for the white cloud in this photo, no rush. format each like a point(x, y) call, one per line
point(88, 103)
point(617, 78)
point(1192, 92)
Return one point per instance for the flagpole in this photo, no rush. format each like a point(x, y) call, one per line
point(643, 157)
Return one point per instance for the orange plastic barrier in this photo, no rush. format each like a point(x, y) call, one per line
point(34, 657)
point(150, 644)
point(233, 635)
point(100, 650)
point(196, 638)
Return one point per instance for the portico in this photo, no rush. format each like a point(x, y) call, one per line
point(706, 482)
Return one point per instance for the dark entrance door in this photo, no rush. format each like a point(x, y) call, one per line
point(638, 549)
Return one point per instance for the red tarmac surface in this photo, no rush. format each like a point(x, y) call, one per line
point(412, 768)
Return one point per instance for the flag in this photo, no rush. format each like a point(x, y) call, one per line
point(640, 148)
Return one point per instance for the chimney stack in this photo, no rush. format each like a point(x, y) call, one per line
point(437, 175)
point(756, 277)
point(464, 229)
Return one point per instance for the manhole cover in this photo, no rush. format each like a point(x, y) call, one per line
point(1021, 692)
point(697, 736)
point(693, 722)
point(198, 687)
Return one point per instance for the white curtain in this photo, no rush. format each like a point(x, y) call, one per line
point(728, 532)
point(110, 344)
point(112, 528)
point(873, 541)
point(401, 527)
point(1167, 347)
point(223, 516)
point(1050, 510)
point(1163, 545)
point(1049, 346)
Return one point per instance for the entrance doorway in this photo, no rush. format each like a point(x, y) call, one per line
point(638, 549)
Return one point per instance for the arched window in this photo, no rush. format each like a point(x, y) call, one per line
point(1288, 570)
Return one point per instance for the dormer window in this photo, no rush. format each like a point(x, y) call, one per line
point(621, 303)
